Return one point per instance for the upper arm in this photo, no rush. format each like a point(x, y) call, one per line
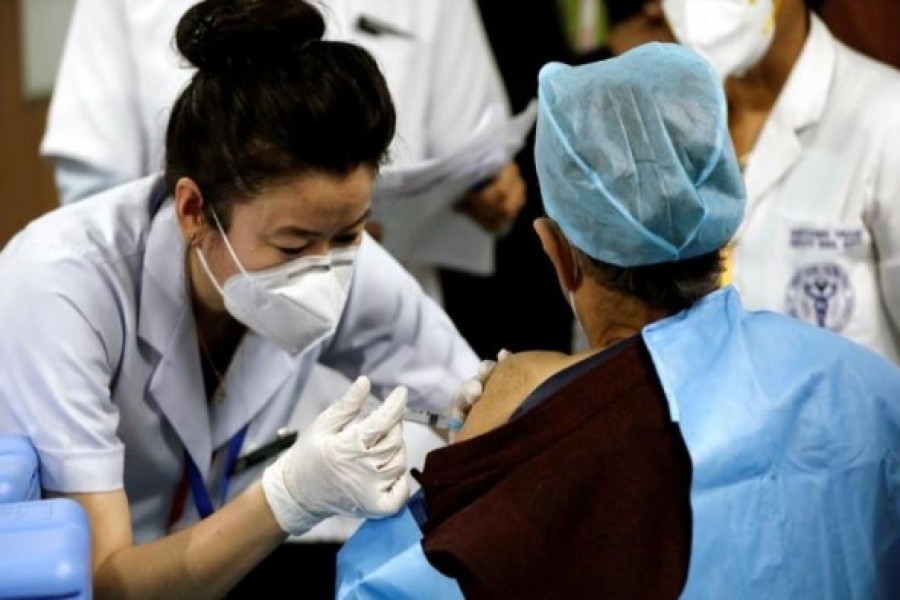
point(513, 379)
point(60, 345)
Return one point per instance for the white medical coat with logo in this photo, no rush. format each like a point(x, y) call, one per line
point(121, 73)
point(99, 363)
point(821, 236)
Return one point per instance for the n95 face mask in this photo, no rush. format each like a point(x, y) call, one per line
point(732, 34)
point(295, 304)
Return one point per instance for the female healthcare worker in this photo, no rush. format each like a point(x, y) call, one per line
point(159, 333)
point(816, 126)
point(120, 75)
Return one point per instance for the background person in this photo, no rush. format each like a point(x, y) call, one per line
point(524, 37)
point(815, 126)
point(162, 330)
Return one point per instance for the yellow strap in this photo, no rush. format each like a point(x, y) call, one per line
point(727, 254)
point(586, 23)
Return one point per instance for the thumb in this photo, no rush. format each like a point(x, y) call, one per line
point(339, 414)
point(469, 391)
point(393, 499)
point(485, 369)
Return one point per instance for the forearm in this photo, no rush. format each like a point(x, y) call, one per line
point(202, 561)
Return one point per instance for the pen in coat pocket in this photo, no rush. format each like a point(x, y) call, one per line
point(284, 439)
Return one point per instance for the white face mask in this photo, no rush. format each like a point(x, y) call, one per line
point(295, 304)
point(732, 34)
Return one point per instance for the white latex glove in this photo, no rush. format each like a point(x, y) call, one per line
point(468, 393)
point(337, 467)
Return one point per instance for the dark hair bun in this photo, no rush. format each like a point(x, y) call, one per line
point(219, 34)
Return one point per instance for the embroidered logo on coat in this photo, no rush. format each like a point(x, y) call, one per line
point(821, 294)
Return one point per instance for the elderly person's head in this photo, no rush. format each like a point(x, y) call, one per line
point(640, 182)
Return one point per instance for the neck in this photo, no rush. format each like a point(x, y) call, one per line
point(615, 317)
point(760, 87)
point(219, 331)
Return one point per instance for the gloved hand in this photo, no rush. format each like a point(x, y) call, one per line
point(468, 393)
point(341, 468)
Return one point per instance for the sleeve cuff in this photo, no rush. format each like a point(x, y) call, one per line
point(82, 472)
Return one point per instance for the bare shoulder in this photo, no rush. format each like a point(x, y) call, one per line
point(512, 381)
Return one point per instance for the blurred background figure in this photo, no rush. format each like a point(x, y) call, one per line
point(524, 36)
point(816, 127)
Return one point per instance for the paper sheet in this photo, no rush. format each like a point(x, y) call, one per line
point(414, 203)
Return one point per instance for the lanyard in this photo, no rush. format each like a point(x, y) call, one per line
point(198, 488)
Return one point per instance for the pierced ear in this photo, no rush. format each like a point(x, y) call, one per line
point(189, 210)
point(560, 252)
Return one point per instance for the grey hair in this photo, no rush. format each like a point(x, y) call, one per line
point(671, 286)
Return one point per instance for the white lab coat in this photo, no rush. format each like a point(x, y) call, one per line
point(821, 237)
point(121, 72)
point(99, 363)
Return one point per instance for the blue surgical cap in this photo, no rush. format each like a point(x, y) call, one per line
point(634, 158)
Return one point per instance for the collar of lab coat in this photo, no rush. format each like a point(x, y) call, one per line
point(166, 324)
point(799, 106)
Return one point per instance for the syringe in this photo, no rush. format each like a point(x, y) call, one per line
point(432, 420)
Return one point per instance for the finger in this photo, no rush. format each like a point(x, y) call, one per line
point(509, 171)
point(469, 391)
point(382, 419)
point(504, 353)
point(485, 369)
point(512, 177)
point(393, 498)
point(515, 198)
point(466, 396)
point(339, 414)
point(385, 449)
point(510, 199)
point(395, 466)
point(490, 198)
